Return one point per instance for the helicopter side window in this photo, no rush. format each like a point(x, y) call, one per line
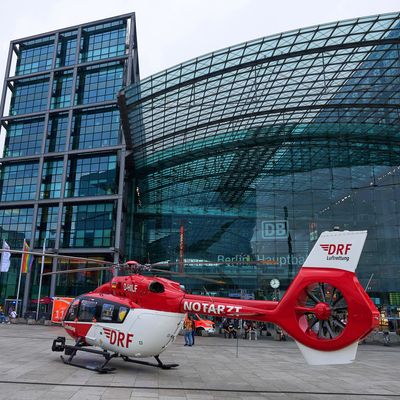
point(107, 312)
point(87, 310)
point(122, 312)
point(112, 312)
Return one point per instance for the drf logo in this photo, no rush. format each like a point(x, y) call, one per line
point(338, 249)
point(274, 229)
point(119, 338)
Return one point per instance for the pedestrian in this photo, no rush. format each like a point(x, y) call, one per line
point(12, 314)
point(230, 331)
point(187, 330)
point(193, 331)
point(248, 328)
point(3, 319)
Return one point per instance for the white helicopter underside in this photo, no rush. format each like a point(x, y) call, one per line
point(144, 333)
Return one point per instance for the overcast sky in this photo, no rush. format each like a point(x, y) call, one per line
point(173, 31)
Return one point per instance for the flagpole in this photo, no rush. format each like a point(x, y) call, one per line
point(19, 280)
point(40, 279)
point(1, 275)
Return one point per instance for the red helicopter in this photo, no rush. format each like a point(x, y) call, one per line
point(325, 310)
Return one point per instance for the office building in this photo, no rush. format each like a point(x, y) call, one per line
point(63, 169)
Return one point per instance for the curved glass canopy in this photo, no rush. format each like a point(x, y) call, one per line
point(267, 107)
point(284, 128)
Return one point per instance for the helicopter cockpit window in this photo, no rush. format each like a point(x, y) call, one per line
point(107, 312)
point(72, 312)
point(87, 310)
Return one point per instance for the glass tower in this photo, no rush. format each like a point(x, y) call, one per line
point(63, 167)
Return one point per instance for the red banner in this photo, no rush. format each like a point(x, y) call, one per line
point(60, 306)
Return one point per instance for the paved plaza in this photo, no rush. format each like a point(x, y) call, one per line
point(215, 368)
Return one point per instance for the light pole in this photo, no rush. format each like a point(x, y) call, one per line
point(40, 278)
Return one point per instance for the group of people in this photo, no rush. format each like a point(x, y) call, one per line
point(189, 330)
point(11, 315)
point(230, 328)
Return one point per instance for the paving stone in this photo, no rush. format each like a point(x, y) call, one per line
point(214, 368)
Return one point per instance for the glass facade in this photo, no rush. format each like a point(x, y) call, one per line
point(99, 83)
point(30, 95)
point(35, 55)
point(95, 129)
point(92, 176)
point(18, 181)
point(244, 156)
point(56, 133)
point(24, 137)
point(88, 225)
point(60, 172)
point(51, 179)
point(230, 165)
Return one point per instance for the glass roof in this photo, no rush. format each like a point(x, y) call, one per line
point(208, 130)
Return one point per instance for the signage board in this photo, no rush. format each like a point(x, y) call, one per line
point(272, 230)
point(60, 306)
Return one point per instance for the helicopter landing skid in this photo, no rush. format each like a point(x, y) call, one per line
point(159, 364)
point(59, 345)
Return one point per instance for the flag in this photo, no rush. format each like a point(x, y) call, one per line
point(27, 259)
point(5, 258)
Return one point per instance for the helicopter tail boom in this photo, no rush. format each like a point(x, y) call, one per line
point(325, 309)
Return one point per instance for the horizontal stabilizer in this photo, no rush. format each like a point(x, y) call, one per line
point(339, 250)
point(317, 357)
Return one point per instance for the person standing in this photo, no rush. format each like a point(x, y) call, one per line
point(2, 316)
point(187, 330)
point(193, 330)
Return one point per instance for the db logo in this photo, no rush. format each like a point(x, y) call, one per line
point(338, 249)
point(118, 338)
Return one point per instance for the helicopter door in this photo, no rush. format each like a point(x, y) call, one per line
point(111, 316)
point(154, 331)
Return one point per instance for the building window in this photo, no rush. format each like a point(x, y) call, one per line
point(103, 41)
point(88, 225)
point(29, 95)
point(35, 56)
point(56, 133)
point(62, 89)
point(95, 129)
point(92, 176)
point(99, 83)
point(18, 181)
point(66, 49)
point(16, 224)
point(51, 179)
point(46, 226)
point(24, 138)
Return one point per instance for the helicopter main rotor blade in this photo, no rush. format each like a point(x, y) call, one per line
point(91, 269)
point(72, 271)
point(55, 255)
point(183, 275)
point(107, 265)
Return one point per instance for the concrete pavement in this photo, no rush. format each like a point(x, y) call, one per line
point(215, 368)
